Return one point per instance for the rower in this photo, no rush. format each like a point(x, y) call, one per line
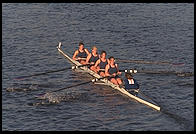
point(92, 58)
point(130, 83)
point(81, 54)
point(112, 70)
point(101, 64)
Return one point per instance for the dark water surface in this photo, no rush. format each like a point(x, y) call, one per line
point(150, 32)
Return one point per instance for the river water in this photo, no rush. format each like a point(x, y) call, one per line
point(132, 31)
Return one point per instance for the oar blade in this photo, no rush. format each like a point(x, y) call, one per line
point(178, 64)
point(19, 78)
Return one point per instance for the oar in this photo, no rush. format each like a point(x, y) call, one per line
point(51, 71)
point(159, 72)
point(93, 80)
point(148, 62)
point(167, 72)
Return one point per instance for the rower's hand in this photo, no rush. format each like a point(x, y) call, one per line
point(79, 58)
point(114, 74)
point(136, 90)
point(92, 63)
point(119, 73)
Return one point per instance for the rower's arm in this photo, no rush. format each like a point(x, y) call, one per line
point(106, 70)
point(97, 63)
point(75, 54)
point(88, 58)
point(123, 83)
point(118, 69)
point(136, 84)
point(86, 50)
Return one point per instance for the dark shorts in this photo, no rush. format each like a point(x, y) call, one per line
point(101, 71)
point(115, 77)
point(89, 66)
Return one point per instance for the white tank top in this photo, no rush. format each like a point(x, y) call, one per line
point(131, 81)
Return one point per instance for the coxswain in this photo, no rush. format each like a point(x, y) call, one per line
point(130, 83)
point(101, 64)
point(112, 70)
point(92, 58)
point(81, 54)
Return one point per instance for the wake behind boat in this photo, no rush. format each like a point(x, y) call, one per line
point(106, 81)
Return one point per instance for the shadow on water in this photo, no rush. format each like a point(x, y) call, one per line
point(179, 119)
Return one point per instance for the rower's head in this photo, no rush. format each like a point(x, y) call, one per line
point(112, 60)
point(128, 76)
point(103, 54)
point(94, 49)
point(81, 46)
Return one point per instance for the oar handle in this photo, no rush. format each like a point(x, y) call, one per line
point(81, 59)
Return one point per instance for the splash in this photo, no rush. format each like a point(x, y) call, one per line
point(22, 88)
point(55, 98)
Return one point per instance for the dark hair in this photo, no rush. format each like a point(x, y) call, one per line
point(103, 52)
point(128, 75)
point(80, 43)
point(111, 57)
